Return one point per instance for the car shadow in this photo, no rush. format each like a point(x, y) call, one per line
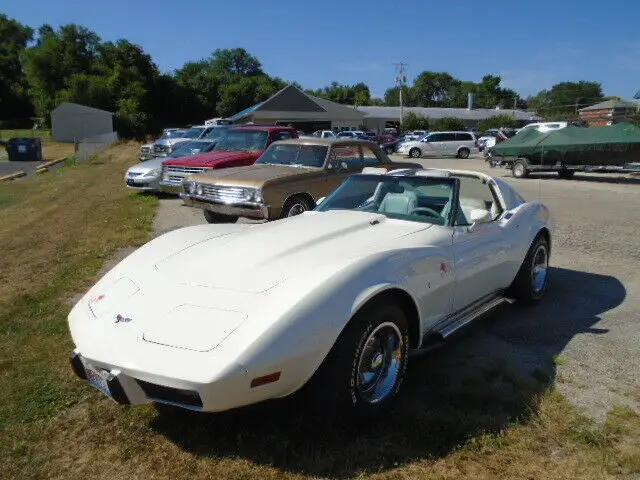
point(479, 382)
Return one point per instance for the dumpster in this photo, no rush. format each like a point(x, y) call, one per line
point(24, 149)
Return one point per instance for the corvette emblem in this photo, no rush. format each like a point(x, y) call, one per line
point(121, 319)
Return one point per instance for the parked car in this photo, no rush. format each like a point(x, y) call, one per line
point(494, 135)
point(459, 144)
point(287, 179)
point(323, 134)
point(239, 146)
point(545, 126)
point(415, 134)
point(164, 146)
point(214, 317)
point(146, 175)
point(350, 134)
point(147, 151)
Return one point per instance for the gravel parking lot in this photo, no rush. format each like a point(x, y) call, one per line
point(585, 336)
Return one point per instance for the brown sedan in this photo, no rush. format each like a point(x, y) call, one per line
point(287, 179)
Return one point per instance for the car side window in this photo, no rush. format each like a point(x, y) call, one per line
point(369, 157)
point(436, 137)
point(282, 136)
point(475, 194)
point(447, 137)
point(347, 156)
point(465, 136)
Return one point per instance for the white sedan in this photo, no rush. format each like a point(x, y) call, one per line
point(214, 317)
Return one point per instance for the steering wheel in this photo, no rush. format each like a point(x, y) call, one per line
point(428, 211)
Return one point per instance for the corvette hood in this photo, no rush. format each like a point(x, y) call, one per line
point(213, 158)
point(258, 258)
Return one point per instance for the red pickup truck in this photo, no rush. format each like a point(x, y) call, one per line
point(240, 146)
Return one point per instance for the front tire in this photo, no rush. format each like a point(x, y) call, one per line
point(415, 153)
point(530, 284)
point(295, 206)
point(362, 375)
point(213, 217)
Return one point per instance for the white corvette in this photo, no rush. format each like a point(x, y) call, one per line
point(214, 317)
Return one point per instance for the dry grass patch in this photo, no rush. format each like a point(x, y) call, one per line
point(55, 150)
point(465, 413)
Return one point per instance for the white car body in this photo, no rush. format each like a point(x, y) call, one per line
point(544, 127)
point(201, 313)
point(435, 144)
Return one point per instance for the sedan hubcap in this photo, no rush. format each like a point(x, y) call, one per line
point(379, 363)
point(539, 270)
point(296, 209)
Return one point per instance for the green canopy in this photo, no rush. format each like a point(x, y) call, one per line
point(613, 144)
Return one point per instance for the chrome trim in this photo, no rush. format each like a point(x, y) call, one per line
point(243, 209)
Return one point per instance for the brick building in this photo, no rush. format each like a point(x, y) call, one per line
point(608, 112)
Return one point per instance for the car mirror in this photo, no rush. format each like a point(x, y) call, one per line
point(478, 217)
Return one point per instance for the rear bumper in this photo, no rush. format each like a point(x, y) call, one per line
point(249, 209)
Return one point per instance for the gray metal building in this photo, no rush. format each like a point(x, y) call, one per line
point(70, 121)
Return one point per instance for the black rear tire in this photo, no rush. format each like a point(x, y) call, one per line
point(530, 283)
point(337, 389)
point(566, 174)
point(415, 152)
point(213, 217)
point(463, 153)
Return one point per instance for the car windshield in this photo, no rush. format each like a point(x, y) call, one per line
point(193, 132)
point(243, 140)
point(415, 198)
point(173, 134)
point(191, 148)
point(217, 132)
point(298, 155)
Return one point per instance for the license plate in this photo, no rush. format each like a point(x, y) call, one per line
point(132, 183)
point(98, 378)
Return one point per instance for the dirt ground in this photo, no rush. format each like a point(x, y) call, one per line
point(586, 333)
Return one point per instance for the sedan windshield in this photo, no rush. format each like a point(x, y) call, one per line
point(415, 198)
point(193, 132)
point(243, 141)
point(295, 154)
point(191, 148)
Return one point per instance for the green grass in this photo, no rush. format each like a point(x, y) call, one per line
point(27, 132)
point(462, 415)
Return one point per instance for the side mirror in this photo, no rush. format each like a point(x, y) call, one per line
point(478, 217)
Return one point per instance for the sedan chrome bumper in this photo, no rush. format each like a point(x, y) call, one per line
point(244, 209)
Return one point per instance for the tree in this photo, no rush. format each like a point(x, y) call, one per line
point(499, 121)
point(14, 102)
point(233, 64)
point(447, 124)
point(237, 96)
point(564, 99)
point(413, 121)
point(392, 97)
point(431, 89)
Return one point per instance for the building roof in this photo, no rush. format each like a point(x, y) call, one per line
point(292, 99)
point(610, 104)
point(78, 107)
point(461, 113)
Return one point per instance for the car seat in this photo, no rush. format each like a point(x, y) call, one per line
point(399, 203)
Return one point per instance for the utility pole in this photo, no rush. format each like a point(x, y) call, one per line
point(401, 80)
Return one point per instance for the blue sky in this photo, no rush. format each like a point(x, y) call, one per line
point(531, 45)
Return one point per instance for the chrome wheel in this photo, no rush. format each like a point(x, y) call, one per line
point(380, 363)
point(539, 269)
point(296, 209)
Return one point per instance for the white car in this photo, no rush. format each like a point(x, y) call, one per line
point(459, 144)
point(213, 317)
point(544, 127)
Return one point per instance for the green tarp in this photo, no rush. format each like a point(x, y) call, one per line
point(610, 145)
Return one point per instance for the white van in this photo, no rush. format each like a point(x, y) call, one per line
point(459, 144)
point(544, 126)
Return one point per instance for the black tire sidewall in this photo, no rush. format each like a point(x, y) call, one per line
point(415, 149)
point(522, 289)
point(515, 167)
point(352, 345)
point(464, 153)
point(288, 205)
